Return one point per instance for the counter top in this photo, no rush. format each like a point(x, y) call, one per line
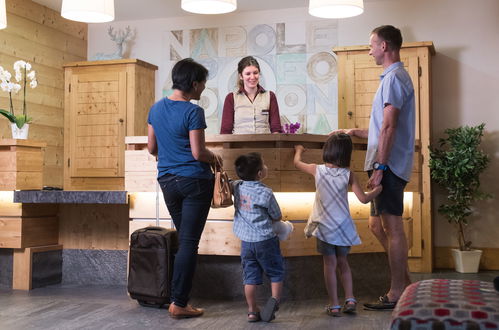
point(251, 137)
point(70, 197)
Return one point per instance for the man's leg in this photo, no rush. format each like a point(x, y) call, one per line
point(378, 231)
point(397, 254)
point(376, 227)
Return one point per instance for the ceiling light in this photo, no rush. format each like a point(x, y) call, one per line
point(209, 6)
point(335, 8)
point(88, 11)
point(3, 15)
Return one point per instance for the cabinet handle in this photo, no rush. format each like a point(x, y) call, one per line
point(350, 114)
point(121, 120)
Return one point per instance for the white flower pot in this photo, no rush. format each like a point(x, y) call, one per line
point(466, 261)
point(20, 133)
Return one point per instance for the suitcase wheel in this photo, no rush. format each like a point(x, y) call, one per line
point(149, 304)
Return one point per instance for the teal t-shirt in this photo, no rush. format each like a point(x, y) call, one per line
point(172, 121)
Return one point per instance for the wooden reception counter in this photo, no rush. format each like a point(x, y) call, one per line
point(294, 190)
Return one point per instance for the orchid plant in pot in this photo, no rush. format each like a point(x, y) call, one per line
point(23, 76)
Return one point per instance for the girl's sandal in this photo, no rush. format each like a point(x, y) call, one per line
point(333, 310)
point(350, 306)
point(254, 316)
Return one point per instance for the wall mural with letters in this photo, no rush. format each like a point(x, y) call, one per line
point(302, 74)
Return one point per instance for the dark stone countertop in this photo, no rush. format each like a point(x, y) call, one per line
point(70, 197)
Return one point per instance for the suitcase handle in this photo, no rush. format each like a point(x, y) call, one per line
point(151, 228)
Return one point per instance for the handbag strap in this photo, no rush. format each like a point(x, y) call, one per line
point(217, 166)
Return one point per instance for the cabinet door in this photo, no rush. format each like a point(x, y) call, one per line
point(362, 78)
point(97, 124)
point(362, 81)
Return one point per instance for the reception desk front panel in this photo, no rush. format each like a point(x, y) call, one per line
point(294, 190)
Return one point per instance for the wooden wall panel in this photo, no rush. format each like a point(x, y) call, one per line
point(93, 226)
point(42, 37)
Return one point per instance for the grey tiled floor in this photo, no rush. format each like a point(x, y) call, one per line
point(97, 307)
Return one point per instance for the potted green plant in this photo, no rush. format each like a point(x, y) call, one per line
point(456, 165)
point(24, 75)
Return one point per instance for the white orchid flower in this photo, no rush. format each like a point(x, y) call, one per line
point(22, 71)
point(15, 87)
point(32, 75)
point(18, 65)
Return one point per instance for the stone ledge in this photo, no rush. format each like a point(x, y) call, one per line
point(70, 197)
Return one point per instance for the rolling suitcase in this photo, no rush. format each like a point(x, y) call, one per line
point(150, 270)
point(151, 256)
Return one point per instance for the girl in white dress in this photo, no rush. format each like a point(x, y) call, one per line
point(330, 221)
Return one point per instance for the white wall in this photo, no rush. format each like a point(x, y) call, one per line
point(465, 70)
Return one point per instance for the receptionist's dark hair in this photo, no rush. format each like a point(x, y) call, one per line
point(338, 150)
point(185, 72)
point(248, 165)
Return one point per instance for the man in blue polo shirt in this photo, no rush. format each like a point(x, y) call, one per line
point(389, 157)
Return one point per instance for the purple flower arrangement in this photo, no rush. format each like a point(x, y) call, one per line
point(291, 128)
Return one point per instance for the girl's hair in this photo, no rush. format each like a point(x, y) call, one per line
point(248, 165)
point(185, 72)
point(338, 150)
point(243, 63)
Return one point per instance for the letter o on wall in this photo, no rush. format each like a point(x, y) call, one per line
point(261, 39)
point(210, 64)
point(322, 67)
point(209, 102)
point(292, 99)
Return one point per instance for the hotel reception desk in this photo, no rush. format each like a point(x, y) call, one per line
point(294, 191)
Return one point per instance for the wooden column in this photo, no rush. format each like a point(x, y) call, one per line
point(21, 164)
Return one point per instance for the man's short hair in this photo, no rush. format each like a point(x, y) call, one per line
point(248, 165)
point(390, 34)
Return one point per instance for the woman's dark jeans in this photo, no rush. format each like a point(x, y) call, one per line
point(188, 201)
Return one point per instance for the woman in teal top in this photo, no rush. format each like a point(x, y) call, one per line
point(176, 135)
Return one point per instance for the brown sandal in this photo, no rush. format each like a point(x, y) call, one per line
point(350, 306)
point(333, 310)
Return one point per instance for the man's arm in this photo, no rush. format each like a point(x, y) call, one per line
point(385, 142)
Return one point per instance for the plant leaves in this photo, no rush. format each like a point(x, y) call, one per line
point(8, 115)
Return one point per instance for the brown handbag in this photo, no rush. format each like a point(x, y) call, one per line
point(222, 192)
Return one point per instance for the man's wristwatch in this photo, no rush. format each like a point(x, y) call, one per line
point(381, 167)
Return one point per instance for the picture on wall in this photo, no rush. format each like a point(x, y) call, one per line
point(295, 59)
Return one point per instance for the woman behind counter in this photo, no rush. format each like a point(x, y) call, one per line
point(251, 109)
point(176, 135)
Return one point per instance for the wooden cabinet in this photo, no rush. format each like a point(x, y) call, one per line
point(358, 80)
point(104, 102)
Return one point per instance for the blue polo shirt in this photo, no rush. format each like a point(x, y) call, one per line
point(172, 121)
point(396, 89)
